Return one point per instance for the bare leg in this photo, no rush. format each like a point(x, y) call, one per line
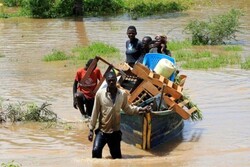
point(80, 98)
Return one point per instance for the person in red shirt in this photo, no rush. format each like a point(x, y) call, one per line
point(83, 96)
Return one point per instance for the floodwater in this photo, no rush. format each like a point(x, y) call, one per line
point(221, 139)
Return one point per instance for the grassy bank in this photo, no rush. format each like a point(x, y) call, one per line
point(207, 57)
point(186, 55)
point(81, 54)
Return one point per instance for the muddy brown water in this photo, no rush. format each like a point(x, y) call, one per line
point(221, 139)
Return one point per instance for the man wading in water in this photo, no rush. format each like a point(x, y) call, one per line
point(107, 107)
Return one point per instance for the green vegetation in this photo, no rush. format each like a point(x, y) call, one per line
point(84, 53)
point(96, 49)
point(55, 56)
point(198, 57)
point(11, 164)
point(103, 7)
point(27, 112)
point(217, 30)
point(64, 8)
point(246, 64)
point(233, 48)
point(148, 7)
point(213, 62)
point(178, 45)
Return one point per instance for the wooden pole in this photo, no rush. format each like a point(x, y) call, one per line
point(162, 91)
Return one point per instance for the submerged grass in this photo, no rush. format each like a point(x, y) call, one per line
point(11, 164)
point(189, 55)
point(84, 52)
point(234, 48)
point(27, 112)
point(186, 55)
point(218, 61)
point(246, 64)
point(96, 49)
point(198, 57)
point(179, 45)
point(56, 55)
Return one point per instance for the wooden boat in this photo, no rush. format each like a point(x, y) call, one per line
point(149, 130)
point(165, 121)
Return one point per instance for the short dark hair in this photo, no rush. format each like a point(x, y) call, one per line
point(89, 62)
point(148, 38)
point(131, 27)
point(110, 73)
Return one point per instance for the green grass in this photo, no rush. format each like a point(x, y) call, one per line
point(212, 62)
point(234, 48)
point(186, 55)
point(56, 56)
point(96, 49)
point(200, 57)
point(178, 45)
point(80, 54)
point(246, 65)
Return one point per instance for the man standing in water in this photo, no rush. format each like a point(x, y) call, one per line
point(83, 90)
point(107, 107)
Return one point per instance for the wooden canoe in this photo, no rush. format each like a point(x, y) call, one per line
point(149, 130)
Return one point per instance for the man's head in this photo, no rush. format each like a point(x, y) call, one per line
point(131, 32)
point(160, 39)
point(111, 79)
point(88, 63)
point(146, 41)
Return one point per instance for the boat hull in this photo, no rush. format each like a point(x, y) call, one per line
point(149, 130)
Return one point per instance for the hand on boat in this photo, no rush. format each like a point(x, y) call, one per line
point(145, 109)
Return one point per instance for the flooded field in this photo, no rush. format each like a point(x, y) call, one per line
point(221, 139)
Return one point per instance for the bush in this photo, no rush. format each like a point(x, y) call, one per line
point(216, 30)
point(150, 8)
point(102, 7)
point(12, 3)
point(38, 8)
point(63, 8)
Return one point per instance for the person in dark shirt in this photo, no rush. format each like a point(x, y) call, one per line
point(133, 46)
point(146, 46)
